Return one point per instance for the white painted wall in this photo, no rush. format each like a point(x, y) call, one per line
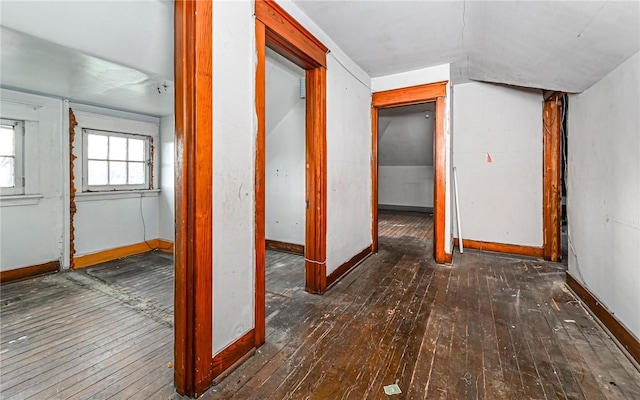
point(418, 77)
point(285, 158)
point(348, 149)
point(405, 156)
point(166, 207)
point(437, 73)
point(501, 200)
point(31, 234)
point(604, 191)
point(410, 186)
point(348, 170)
point(234, 130)
point(105, 221)
point(348, 165)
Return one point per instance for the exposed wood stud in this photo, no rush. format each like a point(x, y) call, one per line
point(552, 176)
point(72, 188)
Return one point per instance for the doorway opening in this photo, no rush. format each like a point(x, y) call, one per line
point(422, 94)
point(405, 172)
point(285, 205)
point(278, 31)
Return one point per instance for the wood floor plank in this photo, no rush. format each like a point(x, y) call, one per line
point(487, 327)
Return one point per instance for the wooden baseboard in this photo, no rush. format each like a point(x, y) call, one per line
point(29, 272)
point(345, 268)
point(283, 246)
point(165, 246)
point(99, 257)
point(229, 357)
point(501, 248)
point(629, 342)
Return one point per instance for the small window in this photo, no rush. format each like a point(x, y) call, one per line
point(11, 157)
point(116, 161)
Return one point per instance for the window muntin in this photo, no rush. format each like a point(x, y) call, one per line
point(11, 157)
point(116, 161)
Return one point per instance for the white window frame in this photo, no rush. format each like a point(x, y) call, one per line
point(148, 162)
point(19, 179)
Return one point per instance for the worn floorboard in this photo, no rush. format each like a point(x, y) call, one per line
point(489, 327)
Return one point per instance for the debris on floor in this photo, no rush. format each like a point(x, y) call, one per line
point(392, 389)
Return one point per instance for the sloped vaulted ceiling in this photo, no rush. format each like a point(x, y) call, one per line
point(559, 45)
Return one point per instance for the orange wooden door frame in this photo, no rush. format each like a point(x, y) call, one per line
point(193, 339)
point(552, 176)
point(279, 31)
point(433, 92)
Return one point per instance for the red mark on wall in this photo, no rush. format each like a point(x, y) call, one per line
point(489, 158)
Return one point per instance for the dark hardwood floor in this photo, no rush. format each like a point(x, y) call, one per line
point(490, 327)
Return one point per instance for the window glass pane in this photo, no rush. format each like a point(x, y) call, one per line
point(98, 173)
point(97, 146)
point(136, 173)
point(117, 172)
point(136, 150)
point(7, 141)
point(7, 172)
point(117, 149)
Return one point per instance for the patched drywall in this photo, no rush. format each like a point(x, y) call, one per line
point(603, 194)
point(285, 148)
point(31, 230)
point(498, 156)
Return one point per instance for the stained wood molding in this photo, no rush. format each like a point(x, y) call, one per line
point(374, 179)
point(433, 92)
point(288, 37)
point(500, 247)
point(99, 257)
point(409, 95)
point(283, 246)
point(228, 357)
point(316, 181)
point(260, 185)
point(87, 260)
point(165, 246)
point(193, 21)
point(347, 267)
point(29, 272)
point(628, 341)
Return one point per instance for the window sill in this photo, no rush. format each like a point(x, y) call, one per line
point(116, 194)
point(20, 200)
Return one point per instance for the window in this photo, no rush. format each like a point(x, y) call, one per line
point(116, 161)
point(11, 157)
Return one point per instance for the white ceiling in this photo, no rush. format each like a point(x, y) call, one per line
point(38, 66)
point(116, 54)
point(559, 45)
